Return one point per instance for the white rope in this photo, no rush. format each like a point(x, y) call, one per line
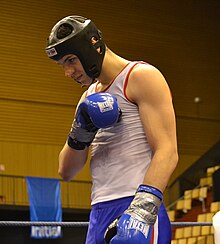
point(85, 224)
point(28, 223)
point(178, 224)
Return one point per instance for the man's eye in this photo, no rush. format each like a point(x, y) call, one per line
point(72, 60)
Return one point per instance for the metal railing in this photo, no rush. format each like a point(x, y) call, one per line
point(74, 194)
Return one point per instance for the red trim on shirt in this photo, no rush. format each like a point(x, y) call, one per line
point(96, 90)
point(126, 80)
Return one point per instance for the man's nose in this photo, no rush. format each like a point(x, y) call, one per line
point(68, 71)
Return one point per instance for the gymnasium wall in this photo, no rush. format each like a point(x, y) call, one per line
point(37, 102)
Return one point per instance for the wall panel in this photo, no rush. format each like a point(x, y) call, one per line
point(39, 160)
point(35, 122)
point(37, 102)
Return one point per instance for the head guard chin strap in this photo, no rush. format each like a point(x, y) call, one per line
point(73, 35)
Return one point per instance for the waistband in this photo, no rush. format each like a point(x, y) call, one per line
point(112, 203)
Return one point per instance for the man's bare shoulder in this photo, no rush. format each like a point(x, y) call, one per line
point(145, 69)
point(145, 80)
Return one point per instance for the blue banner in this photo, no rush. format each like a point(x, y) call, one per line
point(45, 205)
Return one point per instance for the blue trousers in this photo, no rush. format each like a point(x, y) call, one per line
point(103, 214)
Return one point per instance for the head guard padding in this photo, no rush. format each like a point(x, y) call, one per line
point(73, 35)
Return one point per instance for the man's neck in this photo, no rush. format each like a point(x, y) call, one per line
point(111, 67)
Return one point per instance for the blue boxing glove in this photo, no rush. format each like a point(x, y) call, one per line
point(136, 223)
point(99, 110)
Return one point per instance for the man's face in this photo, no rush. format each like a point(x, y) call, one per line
point(74, 69)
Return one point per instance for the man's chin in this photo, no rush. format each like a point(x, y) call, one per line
point(87, 83)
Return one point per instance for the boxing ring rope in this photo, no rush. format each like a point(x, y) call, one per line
point(85, 224)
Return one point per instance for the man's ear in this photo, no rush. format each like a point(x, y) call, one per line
point(94, 40)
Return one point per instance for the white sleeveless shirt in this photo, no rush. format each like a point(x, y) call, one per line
point(120, 154)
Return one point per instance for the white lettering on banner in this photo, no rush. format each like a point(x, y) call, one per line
point(142, 227)
point(45, 231)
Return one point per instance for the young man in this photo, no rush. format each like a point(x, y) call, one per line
point(133, 157)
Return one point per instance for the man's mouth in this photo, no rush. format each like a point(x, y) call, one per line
point(77, 78)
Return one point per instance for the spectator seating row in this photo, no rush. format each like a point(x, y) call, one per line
point(196, 234)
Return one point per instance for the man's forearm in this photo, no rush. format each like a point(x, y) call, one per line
point(71, 162)
point(161, 168)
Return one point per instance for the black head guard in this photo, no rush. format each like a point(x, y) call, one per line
point(73, 35)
